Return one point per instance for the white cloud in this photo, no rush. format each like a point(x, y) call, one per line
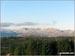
point(6, 24)
point(27, 24)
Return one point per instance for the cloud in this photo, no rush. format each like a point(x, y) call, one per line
point(18, 24)
point(54, 22)
point(6, 24)
point(27, 24)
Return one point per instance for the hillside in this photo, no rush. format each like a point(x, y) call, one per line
point(36, 32)
point(36, 46)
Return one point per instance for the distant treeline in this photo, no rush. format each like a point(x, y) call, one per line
point(36, 45)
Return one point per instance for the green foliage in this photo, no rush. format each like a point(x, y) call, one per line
point(36, 46)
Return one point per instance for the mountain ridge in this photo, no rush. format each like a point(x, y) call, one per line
point(43, 32)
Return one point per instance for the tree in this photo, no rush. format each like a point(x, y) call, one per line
point(10, 48)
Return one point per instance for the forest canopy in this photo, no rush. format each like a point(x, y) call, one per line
point(36, 45)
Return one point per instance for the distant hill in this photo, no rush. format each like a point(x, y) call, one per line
point(43, 32)
point(8, 33)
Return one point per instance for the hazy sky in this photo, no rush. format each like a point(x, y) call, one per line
point(53, 14)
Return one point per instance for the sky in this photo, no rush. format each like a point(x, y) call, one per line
point(38, 14)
